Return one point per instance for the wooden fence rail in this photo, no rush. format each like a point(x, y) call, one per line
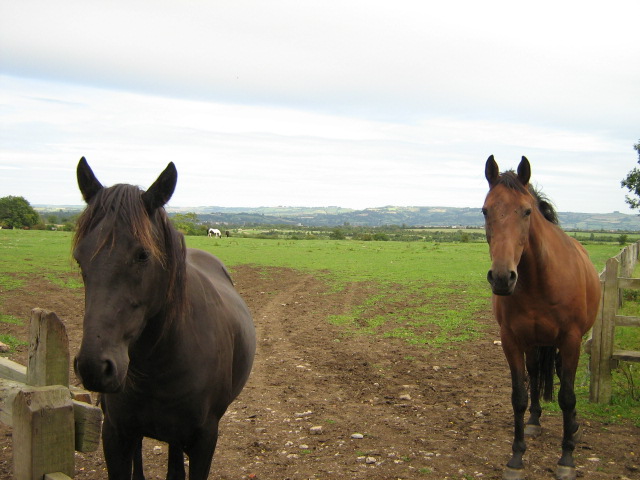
point(50, 421)
point(604, 356)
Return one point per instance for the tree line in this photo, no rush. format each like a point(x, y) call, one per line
point(17, 212)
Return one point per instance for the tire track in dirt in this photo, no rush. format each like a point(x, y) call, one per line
point(307, 376)
point(275, 402)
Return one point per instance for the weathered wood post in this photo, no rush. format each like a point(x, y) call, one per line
point(49, 422)
point(43, 433)
point(43, 421)
point(48, 350)
point(602, 336)
point(616, 277)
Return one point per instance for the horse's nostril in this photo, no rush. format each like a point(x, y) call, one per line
point(490, 275)
point(108, 369)
point(100, 374)
point(513, 276)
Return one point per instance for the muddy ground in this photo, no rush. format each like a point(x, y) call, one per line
point(441, 414)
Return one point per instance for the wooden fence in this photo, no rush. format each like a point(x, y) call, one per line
point(50, 421)
point(604, 356)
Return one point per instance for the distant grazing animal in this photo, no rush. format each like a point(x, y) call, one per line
point(215, 233)
point(227, 233)
point(166, 337)
point(546, 294)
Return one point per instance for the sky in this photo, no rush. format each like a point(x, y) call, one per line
point(320, 103)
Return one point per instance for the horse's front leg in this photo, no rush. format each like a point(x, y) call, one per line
point(201, 449)
point(138, 471)
point(519, 400)
point(566, 469)
point(175, 470)
point(119, 451)
point(533, 428)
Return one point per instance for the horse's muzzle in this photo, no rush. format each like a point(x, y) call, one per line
point(99, 375)
point(503, 283)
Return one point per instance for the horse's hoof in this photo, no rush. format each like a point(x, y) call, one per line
point(532, 430)
point(565, 473)
point(513, 474)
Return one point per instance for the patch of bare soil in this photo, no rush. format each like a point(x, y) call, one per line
point(322, 405)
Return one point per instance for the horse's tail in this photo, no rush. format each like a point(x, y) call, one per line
point(546, 359)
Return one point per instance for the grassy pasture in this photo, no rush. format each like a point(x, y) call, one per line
point(24, 253)
point(428, 294)
point(442, 283)
point(441, 286)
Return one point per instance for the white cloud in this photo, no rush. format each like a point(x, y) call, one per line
point(317, 103)
point(362, 56)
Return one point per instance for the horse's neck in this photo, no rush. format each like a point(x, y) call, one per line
point(156, 337)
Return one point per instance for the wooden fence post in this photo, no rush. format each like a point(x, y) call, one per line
point(43, 435)
point(43, 418)
point(49, 424)
point(593, 348)
point(602, 338)
point(48, 350)
point(615, 278)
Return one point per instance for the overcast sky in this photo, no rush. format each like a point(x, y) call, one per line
point(317, 103)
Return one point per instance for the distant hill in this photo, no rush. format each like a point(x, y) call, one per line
point(371, 217)
point(390, 215)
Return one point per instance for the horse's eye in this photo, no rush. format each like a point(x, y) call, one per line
point(527, 212)
point(484, 211)
point(142, 256)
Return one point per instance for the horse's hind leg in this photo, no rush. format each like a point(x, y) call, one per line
point(175, 470)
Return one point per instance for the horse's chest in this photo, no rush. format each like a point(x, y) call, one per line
point(166, 422)
point(159, 416)
point(536, 326)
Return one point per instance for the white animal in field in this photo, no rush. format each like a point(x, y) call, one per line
point(214, 232)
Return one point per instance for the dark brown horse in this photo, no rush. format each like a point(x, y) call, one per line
point(546, 294)
point(167, 338)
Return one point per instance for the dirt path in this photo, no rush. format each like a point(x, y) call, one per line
point(420, 414)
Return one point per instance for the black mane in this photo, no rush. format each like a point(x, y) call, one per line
point(124, 203)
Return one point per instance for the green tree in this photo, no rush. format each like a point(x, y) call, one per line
point(16, 212)
point(187, 223)
point(381, 237)
point(632, 182)
point(337, 234)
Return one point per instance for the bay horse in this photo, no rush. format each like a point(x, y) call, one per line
point(546, 294)
point(166, 337)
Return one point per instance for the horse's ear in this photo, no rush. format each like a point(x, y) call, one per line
point(160, 192)
point(87, 181)
point(524, 171)
point(491, 171)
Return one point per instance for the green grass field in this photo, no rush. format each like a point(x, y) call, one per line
point(435, 290)
point(443, 283)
